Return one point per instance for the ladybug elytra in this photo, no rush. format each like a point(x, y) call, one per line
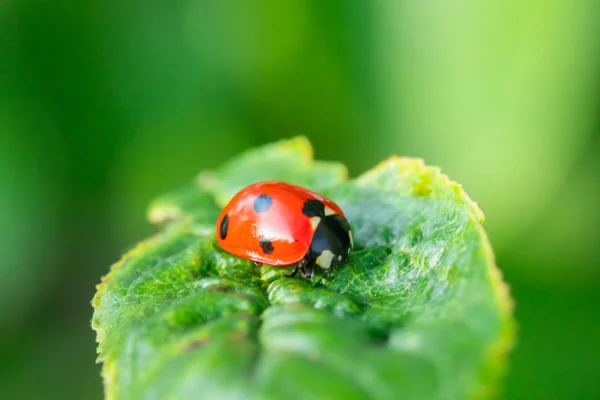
point(280, 224)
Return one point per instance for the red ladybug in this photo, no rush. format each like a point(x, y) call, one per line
point(276, 223)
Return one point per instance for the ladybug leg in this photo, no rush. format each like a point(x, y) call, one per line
point(329, 272)
point(307, 270)
point(256, 263)
point(299, 267)
point(294, 272)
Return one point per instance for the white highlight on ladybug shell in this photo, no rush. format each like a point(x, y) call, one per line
point(329, 211)
point(324, 259)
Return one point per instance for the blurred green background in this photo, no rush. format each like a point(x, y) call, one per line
point(105, 105)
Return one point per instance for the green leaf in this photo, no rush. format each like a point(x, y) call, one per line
point(418, 312)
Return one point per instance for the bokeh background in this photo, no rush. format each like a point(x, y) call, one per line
point(103, 105)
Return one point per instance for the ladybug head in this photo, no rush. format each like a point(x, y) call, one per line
point(331, 242)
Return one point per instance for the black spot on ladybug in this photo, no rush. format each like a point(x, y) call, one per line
point(262, 203)
point(313, 208)
point(266, 245)
point(224, 227)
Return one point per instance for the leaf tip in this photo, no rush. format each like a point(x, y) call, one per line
point(302, 144)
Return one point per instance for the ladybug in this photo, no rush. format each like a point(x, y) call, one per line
point(280, 224)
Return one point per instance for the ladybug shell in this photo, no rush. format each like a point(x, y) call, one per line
point(268, 222)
